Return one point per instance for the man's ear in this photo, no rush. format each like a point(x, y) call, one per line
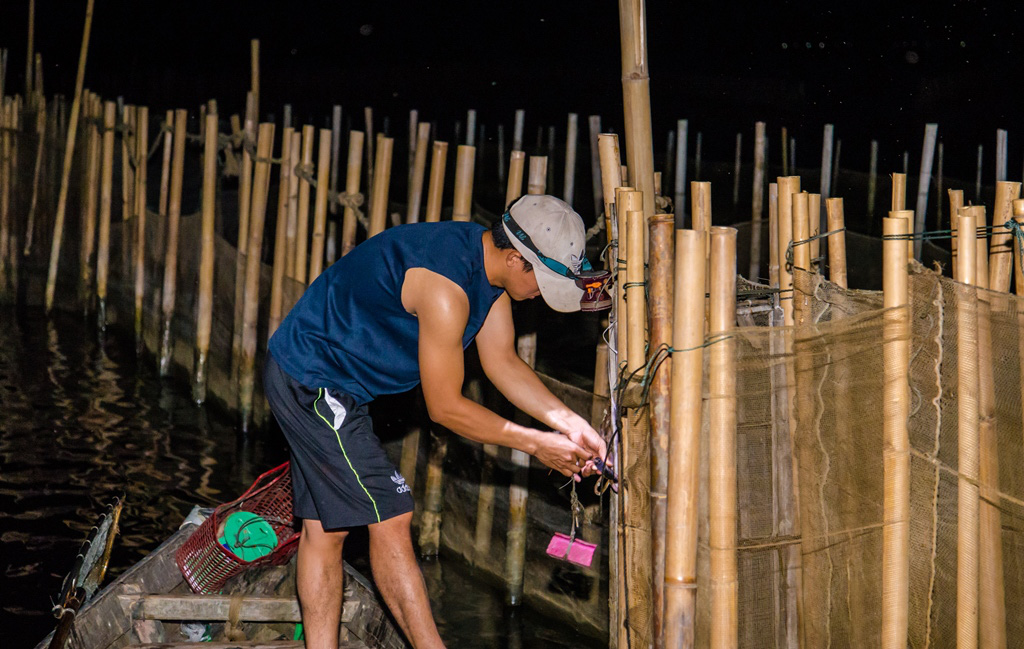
point(512, 256)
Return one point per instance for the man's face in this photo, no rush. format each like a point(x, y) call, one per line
point(522, 284)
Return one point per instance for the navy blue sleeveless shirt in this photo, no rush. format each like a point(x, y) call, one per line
point(349, 330)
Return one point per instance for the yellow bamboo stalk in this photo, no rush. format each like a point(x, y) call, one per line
point(419, 170)
point(1001, 252)
point(90, 197)
point(518, 494)
point(6, 131)
point(353, 175)
point(514, 189)
point(464, 163)
point(636, 100)
point(956, 201)
point(106, 198)
point(537, 181)
point(204, 314)
point(757, 203)
point(381, 184)
point(244, 202)
point(609, 158)
point(291, 226)
point(814, 228)
point(316, 254)
point(896, 411)
point(773, 234)
point(281, 233)
point(261, 185)
point(254, 75)
point(36, 174)
point(302, 224)
point(69, 150)
point(899, 204)
point(1018, 269)
point(787, 186)
point(801, 258)
point(141, 155)
point(836, 242)
point(981, 243)
point(171, 253)
point(438, 161)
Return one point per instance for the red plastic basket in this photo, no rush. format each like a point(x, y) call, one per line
point(207, 565)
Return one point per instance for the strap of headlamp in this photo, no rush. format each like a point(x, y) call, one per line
point(552, 264)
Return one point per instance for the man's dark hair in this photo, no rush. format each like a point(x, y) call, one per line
point(502, 242)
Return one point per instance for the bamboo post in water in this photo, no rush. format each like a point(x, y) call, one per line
point(165, 167)
point(1001, 251)
point(381, 182)
point(204, 315)
point(261, 185)
point(291, 226)
point(36, 174)
point(464, 163)
point(316, 253)
point(89, 196)
point(836, 241)
point(417, 173)
point(899, 203)
point(141, 157)
point(515, 177)
point(281, 234)
point(896, 453)
point(801, 258)
point(518, 494)
point(967, 437)
point(302, 223)
point(924, 181)
point(662, 245)
point(352, 178)
point(773, 235)
point(242, 247)
point(171, 253)
point(435, 191)
point(106, 197)
point(684, 441)
point(69, 150)
point(757, 203)
point(787, 186)
point(433, 503)
point(722, 447)
point(537, 181)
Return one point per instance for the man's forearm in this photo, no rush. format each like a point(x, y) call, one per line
point(524, 389)
point(471, 420)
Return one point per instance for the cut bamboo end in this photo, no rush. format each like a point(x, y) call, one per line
point(836, 241)
point(435, 191)
point(537, 181)
point(281, 233)
point(302, 221)
point(323, 165)
point(419, 170)
point(1001, 251)
point(352, 178)
point(381, 184)
point(514, 190)
point(204, 315)
point(465, 159)
point(787, 187)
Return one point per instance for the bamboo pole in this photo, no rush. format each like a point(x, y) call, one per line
point(722, 449)
point(414, 120)
point(242, 241)
point(6, 171)
point(281, 234)
point(757, 203)
point(636, 100)
point(814, 228)
point(899, 203)
point(537, 181)
point(333, 242)
point(254, 75)
point(433, 504)
point(464, 163)
point(773, 236)
point(302, 224)
point(896, 453)
point(785, 152)
point(608, 157)
point(515, 544)
point(836, 242)
point(981, 258)
point(165, 168)
point(787, 187)
point(291, 227)
point(801, 261)
point(684, 441)
point(515, 177)
point(171, 253)
point(204, 314)
point(417, 173)
point(36, 175)
point(827, 141)
point(88, 199)
point(382, 181)
point(977, 176)
point(1001, 252)
point(956, 201)
point(661, 237)
point(435, 191)
point(29, 56)
point(69, 149)
point(370, 143)
point(626, 199)
point(1018, 261)
point(569, 184)
point(701, 208)
point(352, 178)
point(682, 126)
point(106, 197)
point(141, 157)
point(261, 184)
point(872, 177)
point(316, 254)
point(967, 437)
point(924, 182)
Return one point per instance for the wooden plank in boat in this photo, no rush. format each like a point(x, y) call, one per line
point(253, 608)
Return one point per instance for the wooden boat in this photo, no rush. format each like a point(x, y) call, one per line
point(150, 604)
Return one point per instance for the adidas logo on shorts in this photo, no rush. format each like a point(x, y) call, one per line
point(400, 481)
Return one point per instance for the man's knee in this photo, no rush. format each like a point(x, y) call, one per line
point(314, 536)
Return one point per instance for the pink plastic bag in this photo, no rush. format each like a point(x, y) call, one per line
point(576, 551)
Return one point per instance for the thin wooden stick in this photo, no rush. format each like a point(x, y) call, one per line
point(261, 185)
point(165, 168)
point(171, 254)
point(204, 314)
point(141, 157)
point(515, 177)
point(244, 208)
point(537, 181)
point(381, 184)
point(88, 199)
point(836, 242)
point(967, 437)
point(316, 252)
point(36, 174)
point(464, 163)
point(302, 224)
point(569, 184)
point(281, 233)
point(872, 178)
point(438, 161)
point(417, 174)
point(333, 242)
point(757, 203)
point(291, 227)
point(6, 172)
point(69, 150)
point(682, 127)
point(896, 453)
point(254, 75)
point(106, 198)
point(736, 169)
point(1001, 251)
point(352, 178)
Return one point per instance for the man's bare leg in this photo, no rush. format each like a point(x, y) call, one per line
point(398, 577)
point(320, 578)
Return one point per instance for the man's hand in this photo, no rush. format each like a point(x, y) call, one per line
point(560, 453)
point(588, 439)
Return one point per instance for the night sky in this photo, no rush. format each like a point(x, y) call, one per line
point(875, 70)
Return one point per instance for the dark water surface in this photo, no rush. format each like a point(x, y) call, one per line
point(82, 422)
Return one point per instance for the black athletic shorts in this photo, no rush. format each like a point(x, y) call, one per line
point(340, 472)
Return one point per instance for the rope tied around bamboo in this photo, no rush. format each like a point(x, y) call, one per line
point(632, 388)
point(352, 201)
point(1013, 226)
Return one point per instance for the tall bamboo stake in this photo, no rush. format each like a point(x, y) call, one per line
point(872, 177)
point(417, 173)
point(608, 157)
point(141, 157)
point(684, 441)
point(1001, 252)
point(662, 235)
point(515, 545)
point(370, 144)
point(801, 259)
point(787, 186)
point(682, 126)
point(381, 183)
point(967, 437)
point(291, 227)
point(69, 149)
point(701, 207)
point(261, 185)
point(244, 202)
point(464, 163)
point(36, 174)
point(29, 57)
point(757, 203)
point(636, 100)
point(896, 454)
point(6, 171)
point(352, 177)
point(316, 252)
point(514, 190)
point(827, 141)
point(956, 201)
point(537, 181)
point(433, 503)
point(899, 203)
point(127, 187)
point(736, 169)
point(254, 75)
point(924, 182)
point(106, 197)
point(722, 448)
point(569, 184)
point(981, 242)
point(814, 228)
point(204, 315)
point(171, 254)
point(438, 161)
point(773, 236)
point(836, 242)
point(281, 233)
point(333, 242)
point(302, 224)
point(165, 168)
point(88, 198)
